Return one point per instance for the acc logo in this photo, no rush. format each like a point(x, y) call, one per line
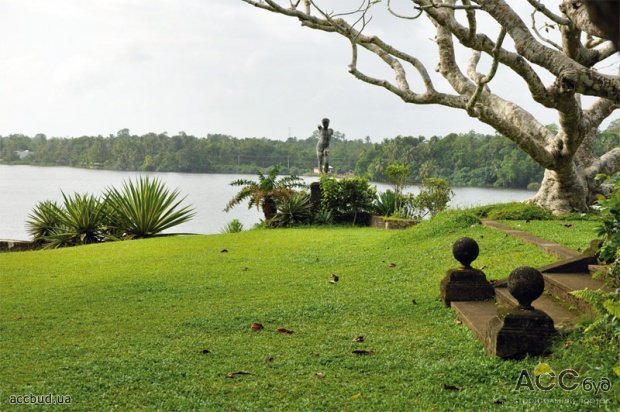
point(546, 379)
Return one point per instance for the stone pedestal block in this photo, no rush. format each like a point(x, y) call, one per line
point(521, 332)
point(465, 284)
point(524, 330)
point(315, 196)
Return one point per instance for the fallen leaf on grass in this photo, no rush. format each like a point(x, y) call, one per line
point(392, 265)
point(334, 279)
point(320, 375)
point(363, 352)
point(359, 339)
point(238, 373)
point(285, 331)
point(256, 327)
point(450, 387)
point(457, 322)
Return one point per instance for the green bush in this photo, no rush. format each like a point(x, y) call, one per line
point(80, 219)
point(146, 208)
point(512, 211)
point(293, 210)
point(610, 232)
point(435, 193)
point(347, 199)
point(385, 203)
point(142, 209)
point(234, 226)
point(43, 221)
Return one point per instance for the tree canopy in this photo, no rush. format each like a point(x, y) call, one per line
point(569, 51)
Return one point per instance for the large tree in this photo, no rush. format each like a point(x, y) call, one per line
point(567, 156)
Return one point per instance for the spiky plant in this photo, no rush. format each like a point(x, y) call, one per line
point(145, 208)
point(234, 226)
point(293, 210)
point(81, 220)
point(265, 192)
point(43, 221)
point(385, 204)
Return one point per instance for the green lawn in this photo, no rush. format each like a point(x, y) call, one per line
point(574, 234)
point(124, 325)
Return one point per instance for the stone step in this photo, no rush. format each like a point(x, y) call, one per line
point(552, 248)
point(561, 284)
point(563, 318)
point(476, 315)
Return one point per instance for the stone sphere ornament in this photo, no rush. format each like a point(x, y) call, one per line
point(526, 284)
point(465, 250)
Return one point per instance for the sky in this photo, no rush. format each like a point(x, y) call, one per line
point(93, 67)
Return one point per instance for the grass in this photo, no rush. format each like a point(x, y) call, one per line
point(574, 234)
point(124, 325)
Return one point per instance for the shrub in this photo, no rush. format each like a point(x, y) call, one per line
point(605, 328)
point(435, 193)
point(79, 220)
point(347, 198)
point(323, 217)
point(43, 221)
point(234, 226)
point(610, 231)
point(385, 203)
point(146, 208)
point(293, 210)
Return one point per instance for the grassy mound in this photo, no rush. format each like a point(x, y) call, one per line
point(163, 323)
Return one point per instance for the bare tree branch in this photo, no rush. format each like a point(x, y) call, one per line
point(401, 16)
point(552, 16)
point(584, 81)
point(537, 33)
point(482, 42)
point(486, 79)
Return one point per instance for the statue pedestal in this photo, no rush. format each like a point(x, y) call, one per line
point(521, 332)
point(524, 330)
point(315, 196)
point(465, 284)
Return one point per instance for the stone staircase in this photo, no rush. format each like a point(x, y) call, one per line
point(572, 272)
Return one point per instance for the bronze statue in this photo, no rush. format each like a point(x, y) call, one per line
point(322, 152)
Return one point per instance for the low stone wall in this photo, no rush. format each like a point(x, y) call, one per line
point(381, 223)
point(16, 245)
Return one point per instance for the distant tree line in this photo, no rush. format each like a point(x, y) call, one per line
point(466, 159)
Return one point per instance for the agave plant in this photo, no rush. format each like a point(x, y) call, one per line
point(385, 203)
point(79, 220)
point(294, 210)
point(145, 208)
point(265, 192)
point(43, 221)
point(234, 226)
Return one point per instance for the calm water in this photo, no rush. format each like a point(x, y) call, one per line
point(21, 187)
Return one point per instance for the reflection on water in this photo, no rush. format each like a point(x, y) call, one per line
point(21, 187)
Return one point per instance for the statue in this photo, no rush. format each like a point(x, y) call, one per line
point(322, 146)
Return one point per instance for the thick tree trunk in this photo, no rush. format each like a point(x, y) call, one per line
point(563, 190)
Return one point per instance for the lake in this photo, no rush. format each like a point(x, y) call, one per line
point(21, 187)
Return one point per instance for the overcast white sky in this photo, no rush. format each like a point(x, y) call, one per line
point(88, 67)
